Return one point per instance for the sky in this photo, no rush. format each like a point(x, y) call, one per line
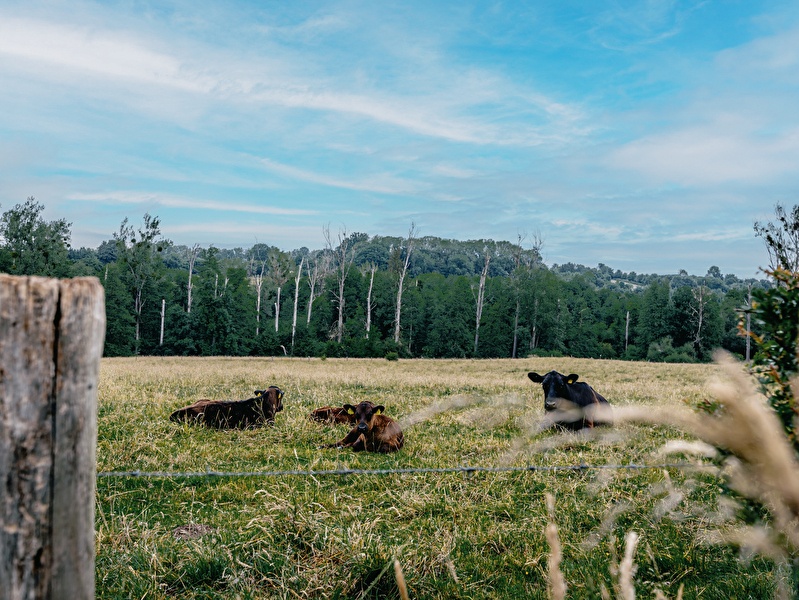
point(648, 135)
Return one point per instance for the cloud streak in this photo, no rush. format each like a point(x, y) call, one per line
point(157, 199)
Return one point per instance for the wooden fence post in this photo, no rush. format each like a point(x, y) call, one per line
point(51, 341)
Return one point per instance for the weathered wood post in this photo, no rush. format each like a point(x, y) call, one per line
point(51, 341)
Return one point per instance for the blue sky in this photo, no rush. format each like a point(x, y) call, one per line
point(648, 136)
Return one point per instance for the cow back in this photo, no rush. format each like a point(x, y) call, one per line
point(233, 414)
point(331, 414)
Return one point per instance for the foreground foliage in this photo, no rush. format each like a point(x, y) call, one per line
point(455, 535)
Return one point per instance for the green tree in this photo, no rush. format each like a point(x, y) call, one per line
point(211, 317)
point(31, 245)
point(120, 322)
point(540, 291)
point(775, 331)
point(448, 330)
point(496, 339)
point(138, 252)
point(655, 316)
point(732, 305)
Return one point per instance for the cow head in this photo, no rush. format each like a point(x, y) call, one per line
point(556, 389)
point(364, 413)
point(274, 395)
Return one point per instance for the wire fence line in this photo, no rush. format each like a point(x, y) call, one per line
point(466, 470)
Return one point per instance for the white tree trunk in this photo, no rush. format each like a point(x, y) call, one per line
point(163, 312)
point(481, 300)
point(192, 254)
point(401, 282)
point(369, 306)
point(344, 258)
point(296, 299)
point(277, 309)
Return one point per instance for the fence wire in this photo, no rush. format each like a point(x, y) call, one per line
point(466, 470)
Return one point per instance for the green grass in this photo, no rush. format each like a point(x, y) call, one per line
point(455, 535)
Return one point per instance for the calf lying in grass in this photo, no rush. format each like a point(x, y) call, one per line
point(332, 414)
point(571, 404)
point(234, 414)
point(373, 432)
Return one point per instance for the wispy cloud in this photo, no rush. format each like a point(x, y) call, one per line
point(456, 113)
point(112, 54)
point(721, 152)
point(166, 200)
point(381, 184)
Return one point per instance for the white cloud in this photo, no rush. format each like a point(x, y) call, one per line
point(714, 235)
point(111, 54)
point(166, 200)
point(381, 184)
point(463, 111)
point(715, 153)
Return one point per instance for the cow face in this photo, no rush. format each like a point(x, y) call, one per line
point(556, 388)
point(363, 414)
point(275, 396)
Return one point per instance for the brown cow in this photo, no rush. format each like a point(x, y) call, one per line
point(332, 414)
point(234, 414)
point(374, 432)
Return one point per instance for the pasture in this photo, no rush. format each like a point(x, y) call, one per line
point(455, 534)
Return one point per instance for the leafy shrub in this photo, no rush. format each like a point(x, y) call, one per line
point(775, 318)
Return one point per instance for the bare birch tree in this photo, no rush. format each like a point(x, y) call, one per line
point(191, 254)
point(520, 275)
point(257, 269)
point(701, 297)
point(370, 268)
point(343, 256)
point(279, 270)
point(402, 272)
point(481, 296)
point(296, 300)
point(317, 269)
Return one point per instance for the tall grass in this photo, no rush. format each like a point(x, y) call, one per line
point(424, 535)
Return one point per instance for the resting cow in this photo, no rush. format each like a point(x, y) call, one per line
point(374, 431)
point(332, 414)
point(234, 414)
point(571, 404)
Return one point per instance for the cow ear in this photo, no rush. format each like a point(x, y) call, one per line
point(572, 378)
point(349, 408)
point(535, 377)
point(260, 392)
point(378, 410)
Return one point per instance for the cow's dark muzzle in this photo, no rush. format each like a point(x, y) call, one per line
point(551, 403)
point(362, 427)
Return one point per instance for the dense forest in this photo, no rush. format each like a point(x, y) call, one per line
point(374, 296)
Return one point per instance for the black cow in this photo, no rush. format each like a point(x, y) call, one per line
point(571, 404)
point(234, 414)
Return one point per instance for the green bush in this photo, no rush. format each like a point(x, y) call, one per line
point(775, 318)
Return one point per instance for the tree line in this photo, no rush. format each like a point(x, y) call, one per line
point(377, 296)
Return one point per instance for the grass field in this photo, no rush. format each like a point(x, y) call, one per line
point(454, 534)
